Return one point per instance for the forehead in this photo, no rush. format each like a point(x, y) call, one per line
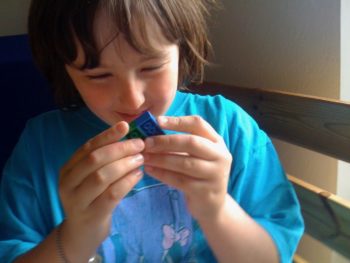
point(143, 36)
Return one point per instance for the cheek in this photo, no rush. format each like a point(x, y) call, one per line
point(162, 92)
point(93, 97)
point(165, 86)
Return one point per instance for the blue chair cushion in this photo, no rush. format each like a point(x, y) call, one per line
point(25, 92)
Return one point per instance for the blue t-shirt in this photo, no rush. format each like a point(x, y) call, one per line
point(152, 223)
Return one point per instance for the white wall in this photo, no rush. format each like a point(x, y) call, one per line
point(284, 44)
point(345, 50)
point(290, 45)
point(344, 168)
point(13, 16)
point(343, 182)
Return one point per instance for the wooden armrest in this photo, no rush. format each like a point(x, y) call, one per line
point(327, 216)
point(299, 259)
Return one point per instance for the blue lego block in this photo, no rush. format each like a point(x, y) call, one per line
point(144, 126)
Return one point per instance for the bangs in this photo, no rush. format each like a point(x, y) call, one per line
point(139, 22)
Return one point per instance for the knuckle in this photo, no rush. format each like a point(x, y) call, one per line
point(111, 133)
point(197, 119)
point(99, 178)
point(188, 163)
point(93, 158)
point(113, 195)
point(125, 146)
point(177, 121)
point(122, 146)
point(117, 191)
point(137, 144)
point(87, 146)
point(193, 141)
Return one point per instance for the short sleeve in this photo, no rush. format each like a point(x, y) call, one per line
point(22, 221)
point(266, 194)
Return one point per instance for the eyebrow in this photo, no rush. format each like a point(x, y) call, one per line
point(161, 54)
point(157, 55)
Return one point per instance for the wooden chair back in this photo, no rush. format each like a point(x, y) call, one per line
point(318, 124)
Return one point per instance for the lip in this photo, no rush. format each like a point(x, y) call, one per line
point(129, 117)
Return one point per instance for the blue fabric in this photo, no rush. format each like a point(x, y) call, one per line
point(147, 219)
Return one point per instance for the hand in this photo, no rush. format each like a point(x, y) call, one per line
point(197, 163)
point(94, 181)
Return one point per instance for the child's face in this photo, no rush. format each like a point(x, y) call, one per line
point(126, 83)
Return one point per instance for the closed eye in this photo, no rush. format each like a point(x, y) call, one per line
point(101, 76)
point(153, 68)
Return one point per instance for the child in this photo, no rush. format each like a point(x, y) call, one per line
point(210, 190)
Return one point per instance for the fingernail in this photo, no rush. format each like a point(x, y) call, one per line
point(138, 158)
point(120, 127)
point(146, 157)
point(149, 142)
point(137, 173)
point(138, 143)
point(162, 119)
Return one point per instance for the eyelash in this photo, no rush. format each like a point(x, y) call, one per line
point(103, 76)
point(100, 76)
point(152, 68)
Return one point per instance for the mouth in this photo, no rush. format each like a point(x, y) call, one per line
point(129, 117)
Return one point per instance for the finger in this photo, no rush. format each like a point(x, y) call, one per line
point(174, 179)
point(189, 124)
point(192, 144)
point(99, 158)
point(113, 134)
point(96, 183)
point(111, 197)
point(185, 165)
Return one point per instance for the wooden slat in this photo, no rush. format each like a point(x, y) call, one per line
point(327, 216)
point(299, 259)
point(319, 124)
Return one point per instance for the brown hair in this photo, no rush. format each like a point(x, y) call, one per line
point(53, 26)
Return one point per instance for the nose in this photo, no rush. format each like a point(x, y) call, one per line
point(131, 94)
